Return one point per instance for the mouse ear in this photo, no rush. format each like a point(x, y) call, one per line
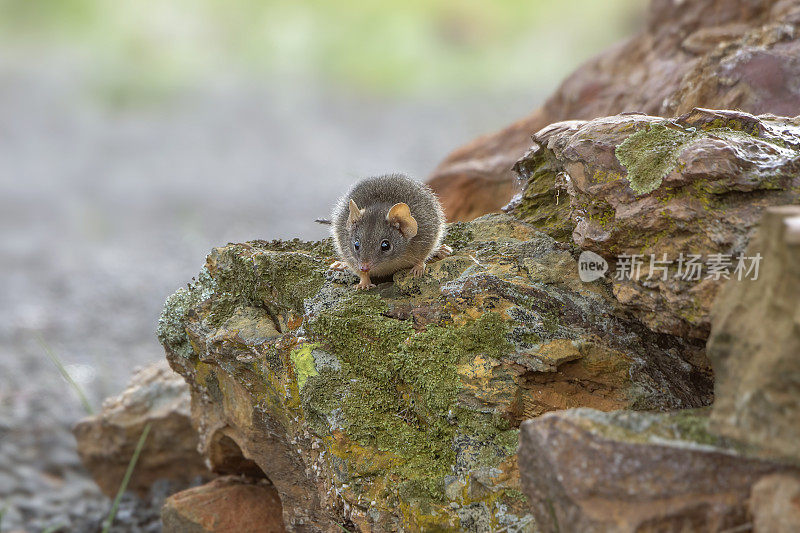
point(400, 217)
point(355, 212)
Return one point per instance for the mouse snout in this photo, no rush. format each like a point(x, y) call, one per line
point(364, 266)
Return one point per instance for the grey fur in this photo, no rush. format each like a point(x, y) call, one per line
point(376, 196)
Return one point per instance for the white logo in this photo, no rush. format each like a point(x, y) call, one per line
point(591, 266)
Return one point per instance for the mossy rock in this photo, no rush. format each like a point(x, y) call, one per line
point(399, 407)
point(638, 185)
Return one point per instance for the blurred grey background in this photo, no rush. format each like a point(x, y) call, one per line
point(135, 136)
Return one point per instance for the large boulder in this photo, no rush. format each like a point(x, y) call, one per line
point(648, 189)
point(398, 408)
point(723, 54)
point(584, 470)
point(755, 344)
point(106, 441)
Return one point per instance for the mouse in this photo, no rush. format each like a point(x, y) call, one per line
point(387, 223)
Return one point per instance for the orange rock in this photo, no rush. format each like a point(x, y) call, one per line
point(227, 504)
point(106, 441)
point(584, 470)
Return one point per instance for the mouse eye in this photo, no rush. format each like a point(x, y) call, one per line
point(385, 245)
point(356, 245)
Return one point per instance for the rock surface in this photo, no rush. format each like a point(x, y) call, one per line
point(225, 505)
point(398, 408)
point(729, 468)
point(588, 471)
point(636, 185)
point(106, 441)
point(723, 54)
point(775, 504)
point(755, 344)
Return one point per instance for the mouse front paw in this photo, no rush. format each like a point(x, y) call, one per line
point(442, 252)
point(338, 265)
point(365, 282)
point(418, 270)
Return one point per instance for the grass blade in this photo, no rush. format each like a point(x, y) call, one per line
point(60, 366)
point(126, 478)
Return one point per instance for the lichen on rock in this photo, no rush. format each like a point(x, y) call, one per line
point(650, 154)
point(304, 365)
point(541, 203)
point(638, 185)
point(398, 394)
point(170, 331)
point(398, 408)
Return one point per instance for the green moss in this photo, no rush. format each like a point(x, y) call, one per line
point(685, 426)
point(211, 383)
point(700, 190)
point(650, 242)
point(272, 357)
point(692, 312)
point(529, 338)
point(257, 273)
point(692, 425)
point(719, 123)
point(550, 322)
point(491, 438)
point(458, 235)
point(515, 494)
point(541, 205)
point(605, 218)
point(598, 211)
point(397, 388)
point(171, 329)
point(318, 248)
point(221, 309)
point(602, 175)
point(280, 280)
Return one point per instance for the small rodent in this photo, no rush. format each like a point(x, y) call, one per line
point(385, 224)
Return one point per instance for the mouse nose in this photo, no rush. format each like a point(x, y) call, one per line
point(365, 266)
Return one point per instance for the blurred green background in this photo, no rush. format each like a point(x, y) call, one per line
point(142, 47)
